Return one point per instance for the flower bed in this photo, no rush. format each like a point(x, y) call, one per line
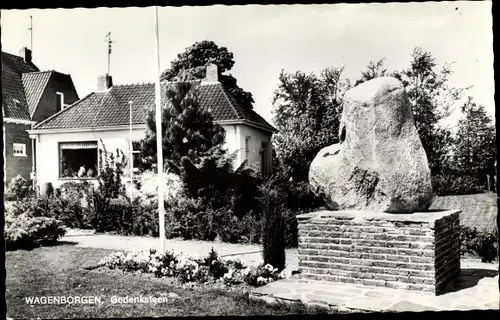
point(209, 270)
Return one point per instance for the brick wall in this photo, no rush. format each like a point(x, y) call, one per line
point(419, 251)
point(16, 133)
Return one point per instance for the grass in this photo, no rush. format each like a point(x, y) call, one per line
point(60, 271)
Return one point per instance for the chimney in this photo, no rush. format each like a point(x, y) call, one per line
point(25, 53)
point(212, 73)
point(104, 82)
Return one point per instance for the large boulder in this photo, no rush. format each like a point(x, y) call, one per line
point(380, 163)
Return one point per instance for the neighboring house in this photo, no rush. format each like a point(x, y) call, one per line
point(29, 96)
point(70, 139)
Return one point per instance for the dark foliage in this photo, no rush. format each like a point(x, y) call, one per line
point(273, 240)
point(479, 243)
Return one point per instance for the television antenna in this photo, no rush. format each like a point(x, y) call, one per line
point(31, 33)
point(108, 39)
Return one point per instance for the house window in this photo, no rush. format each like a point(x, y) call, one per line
point(78, 159)
point(134, 155)
point(60, 101)
point(19, 150)
point(247, 146)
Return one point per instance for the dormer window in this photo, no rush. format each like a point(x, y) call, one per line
point(60, 101)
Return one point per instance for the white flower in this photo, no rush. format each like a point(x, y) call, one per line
point(229, 274)
point(268, 267)
point(285, 274)
point(184, 140)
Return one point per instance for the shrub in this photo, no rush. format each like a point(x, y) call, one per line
point(190, 219)
point(187, 269)
point(456, 184)
point(138, 218)
point(18, 189)
point(149, 185)
point(27, 225)
point(296, 198)
point(250, 229)
point(71, 205)
point(71, 213)
point(272, 226)
point(33, 207)
point(290, 226)
point(216, 267)
point(109, 187)
point(482, 244)
point(145, 219)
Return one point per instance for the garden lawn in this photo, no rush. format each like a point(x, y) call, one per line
point(60, 271)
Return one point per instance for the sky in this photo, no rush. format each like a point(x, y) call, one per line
point(264, 41)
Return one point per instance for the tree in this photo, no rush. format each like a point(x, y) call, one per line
point(194, 61)
point(432, 100)
point(307, 110)
point(187, 130)
point(193, 148)
point(374, 69)
point(475, 147)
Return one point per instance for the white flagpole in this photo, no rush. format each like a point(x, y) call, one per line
point(131, 154)
point(159, 138)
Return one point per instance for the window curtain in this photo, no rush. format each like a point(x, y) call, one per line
point(79, 145)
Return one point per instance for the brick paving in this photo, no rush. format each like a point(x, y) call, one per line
point(476, 289)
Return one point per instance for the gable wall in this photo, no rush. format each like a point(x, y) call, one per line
point(48, 103)
point(257, 136)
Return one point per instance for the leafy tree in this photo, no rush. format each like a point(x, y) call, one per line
point(432, 100)
point(194, 61)
point(187, 130)
point(374, 69)
point(475, 146)
point(307, 110)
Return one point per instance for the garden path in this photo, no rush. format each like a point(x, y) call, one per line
point(249, 254)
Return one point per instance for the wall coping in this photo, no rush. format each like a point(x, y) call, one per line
point(417, 217)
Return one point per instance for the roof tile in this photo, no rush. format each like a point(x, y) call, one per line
point(111, 108)
point(34, 84)
point(14, 104)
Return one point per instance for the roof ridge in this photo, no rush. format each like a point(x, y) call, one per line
point(228, 100)
point(46, 71)
point(133, 84)
point(11, 54)
point(63, 110)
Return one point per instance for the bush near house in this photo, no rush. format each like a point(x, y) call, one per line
point(18, 189)
point(30, 222)
point(70, 204)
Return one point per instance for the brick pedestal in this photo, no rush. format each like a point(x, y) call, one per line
point(419, 251)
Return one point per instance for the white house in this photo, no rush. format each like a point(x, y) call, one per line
point(70, 139)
